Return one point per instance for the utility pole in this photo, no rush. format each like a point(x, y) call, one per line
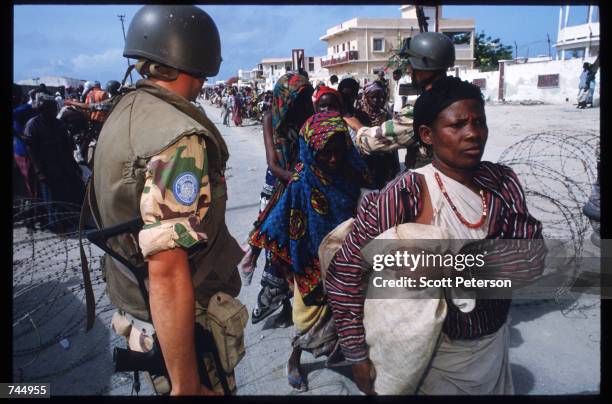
point(515, 51)
point(548, 40)
point(121, 17)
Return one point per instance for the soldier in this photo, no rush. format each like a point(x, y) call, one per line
point(160, 158)
point(428, 55)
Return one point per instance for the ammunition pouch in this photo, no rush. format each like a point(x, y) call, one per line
point(219, 340)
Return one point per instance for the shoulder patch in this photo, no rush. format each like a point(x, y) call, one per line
point(186, 188)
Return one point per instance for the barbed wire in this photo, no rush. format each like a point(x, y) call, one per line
point(557, 170)
point(48, 291)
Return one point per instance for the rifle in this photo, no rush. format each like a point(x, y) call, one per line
point(422, 19)
point(127, 360)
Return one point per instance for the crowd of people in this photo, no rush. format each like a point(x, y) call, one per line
point(54, 134)
point(333, 163)
point(238, 103)
point(333, 155)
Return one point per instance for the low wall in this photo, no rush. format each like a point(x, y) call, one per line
point(521, 81)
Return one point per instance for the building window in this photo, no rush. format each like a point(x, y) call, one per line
point(343, 47)
point(311, 66)
point(574, 53)
point(480, 83)
point(378, 45)
point(548, 80)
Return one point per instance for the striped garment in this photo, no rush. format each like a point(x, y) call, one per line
point(509, 219)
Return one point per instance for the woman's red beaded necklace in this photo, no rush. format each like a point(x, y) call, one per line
point(454, 208)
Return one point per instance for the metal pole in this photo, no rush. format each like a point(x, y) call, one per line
point(121, 17)
point(515, 51)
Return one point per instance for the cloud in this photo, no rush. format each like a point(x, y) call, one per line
point(109, 59)
point(243, 36)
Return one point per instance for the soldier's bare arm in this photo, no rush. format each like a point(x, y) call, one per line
point(172, 308)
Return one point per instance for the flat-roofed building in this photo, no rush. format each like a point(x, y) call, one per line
point(361, 47)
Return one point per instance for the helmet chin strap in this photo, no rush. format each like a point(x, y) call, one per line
point(421, 84)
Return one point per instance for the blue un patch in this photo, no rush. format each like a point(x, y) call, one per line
point(186, 188)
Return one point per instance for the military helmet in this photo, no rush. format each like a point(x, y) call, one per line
point(429, 51)
point(112, 87)
point(183, 37)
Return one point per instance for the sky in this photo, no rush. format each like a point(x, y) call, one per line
point(86, 41)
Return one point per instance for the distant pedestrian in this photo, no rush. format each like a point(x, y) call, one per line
point(333, 81)
point(237, 108)
point(59, 98)
point(589, 101)
point(226, 102)
point(584, 86)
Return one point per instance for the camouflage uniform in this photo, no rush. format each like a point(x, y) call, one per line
point(392, 135)
point(175, 197)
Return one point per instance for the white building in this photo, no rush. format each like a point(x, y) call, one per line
point(52, 81)
point(271, 69)
point(580, 41)
point(361, 47)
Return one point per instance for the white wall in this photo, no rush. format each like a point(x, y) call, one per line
point(521, 81)
point(491, 91)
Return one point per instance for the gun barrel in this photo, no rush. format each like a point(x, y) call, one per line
point(127, 361)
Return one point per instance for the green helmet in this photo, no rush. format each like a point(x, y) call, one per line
point(429, 51)
point(183, 37)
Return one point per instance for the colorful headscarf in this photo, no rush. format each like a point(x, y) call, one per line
point(287, 89)
point(376, 116)
point(313, 204)
point(325, 90)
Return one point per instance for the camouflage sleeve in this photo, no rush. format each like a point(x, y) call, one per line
point(175, 198)
point(391, 135)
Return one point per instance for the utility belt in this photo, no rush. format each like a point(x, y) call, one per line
point(219, 341)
